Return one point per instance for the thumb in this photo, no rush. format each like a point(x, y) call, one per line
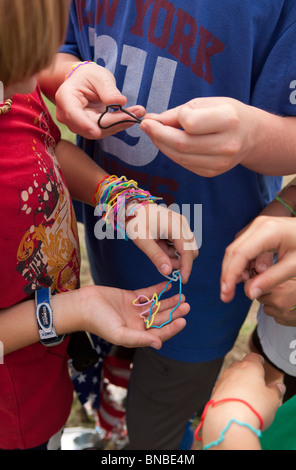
point(263, 261)
point(167, 118)
point(106, 89)
point(271, 277)
point(69, 111)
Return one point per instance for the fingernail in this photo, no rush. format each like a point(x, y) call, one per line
point(223, 288)
point(261, 267)
point(255, 293)
point(144, 127)
point(155, 346)
point(222, 297)
point(165, 269)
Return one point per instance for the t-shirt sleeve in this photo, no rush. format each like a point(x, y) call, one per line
point(273, 89)
point(70, 46)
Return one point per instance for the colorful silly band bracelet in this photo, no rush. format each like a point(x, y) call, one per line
point(287, 206)
point(149, 315)
point(117, 198)
point(117, 107)
point(224, 431)
point(225, 400)
point(76, 66)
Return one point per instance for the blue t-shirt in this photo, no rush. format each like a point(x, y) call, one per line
point(164, 53)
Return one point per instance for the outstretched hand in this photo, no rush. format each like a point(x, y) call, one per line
point(110, 313)
point(264, 234)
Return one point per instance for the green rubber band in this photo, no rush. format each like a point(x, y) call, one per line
point(279, 199)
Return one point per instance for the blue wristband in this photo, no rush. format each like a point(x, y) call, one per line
point(47, 333)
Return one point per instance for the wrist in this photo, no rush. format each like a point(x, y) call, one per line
point(220, 415)
point(269, 136)
point(276, 209)
point(235, 427)
point(221, 418)
point(234, 434)
point(287, 197)
point(51, 78)
point(68, 314)
point(256, 139)
point(118, 199)
point(76, 65)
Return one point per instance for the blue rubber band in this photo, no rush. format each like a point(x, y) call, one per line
point(176, 275)
point(222, 435)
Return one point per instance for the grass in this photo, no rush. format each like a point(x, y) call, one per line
point(66, 133)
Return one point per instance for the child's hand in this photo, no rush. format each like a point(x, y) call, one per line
point(83, 97)
point(263, 235)
point(245, 381)
point(110, 313)
point(165, 237)
point(279, 303)
point(263, 260)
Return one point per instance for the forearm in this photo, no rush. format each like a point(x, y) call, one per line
point(272, 144)
point(226, 435)
point(237, 437)
point(288, 196)
point(18, 324)
point(82, 174)
point(284, 200)
point(52, 78)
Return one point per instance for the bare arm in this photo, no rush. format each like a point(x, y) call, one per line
point(241, 381)
point(18, 325)
point(53, 77)
point(274, 148)
point(82, 174)
point(106, 312)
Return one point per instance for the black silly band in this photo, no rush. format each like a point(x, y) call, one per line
point(118, 107)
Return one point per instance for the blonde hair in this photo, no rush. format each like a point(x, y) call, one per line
point(31, 32)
